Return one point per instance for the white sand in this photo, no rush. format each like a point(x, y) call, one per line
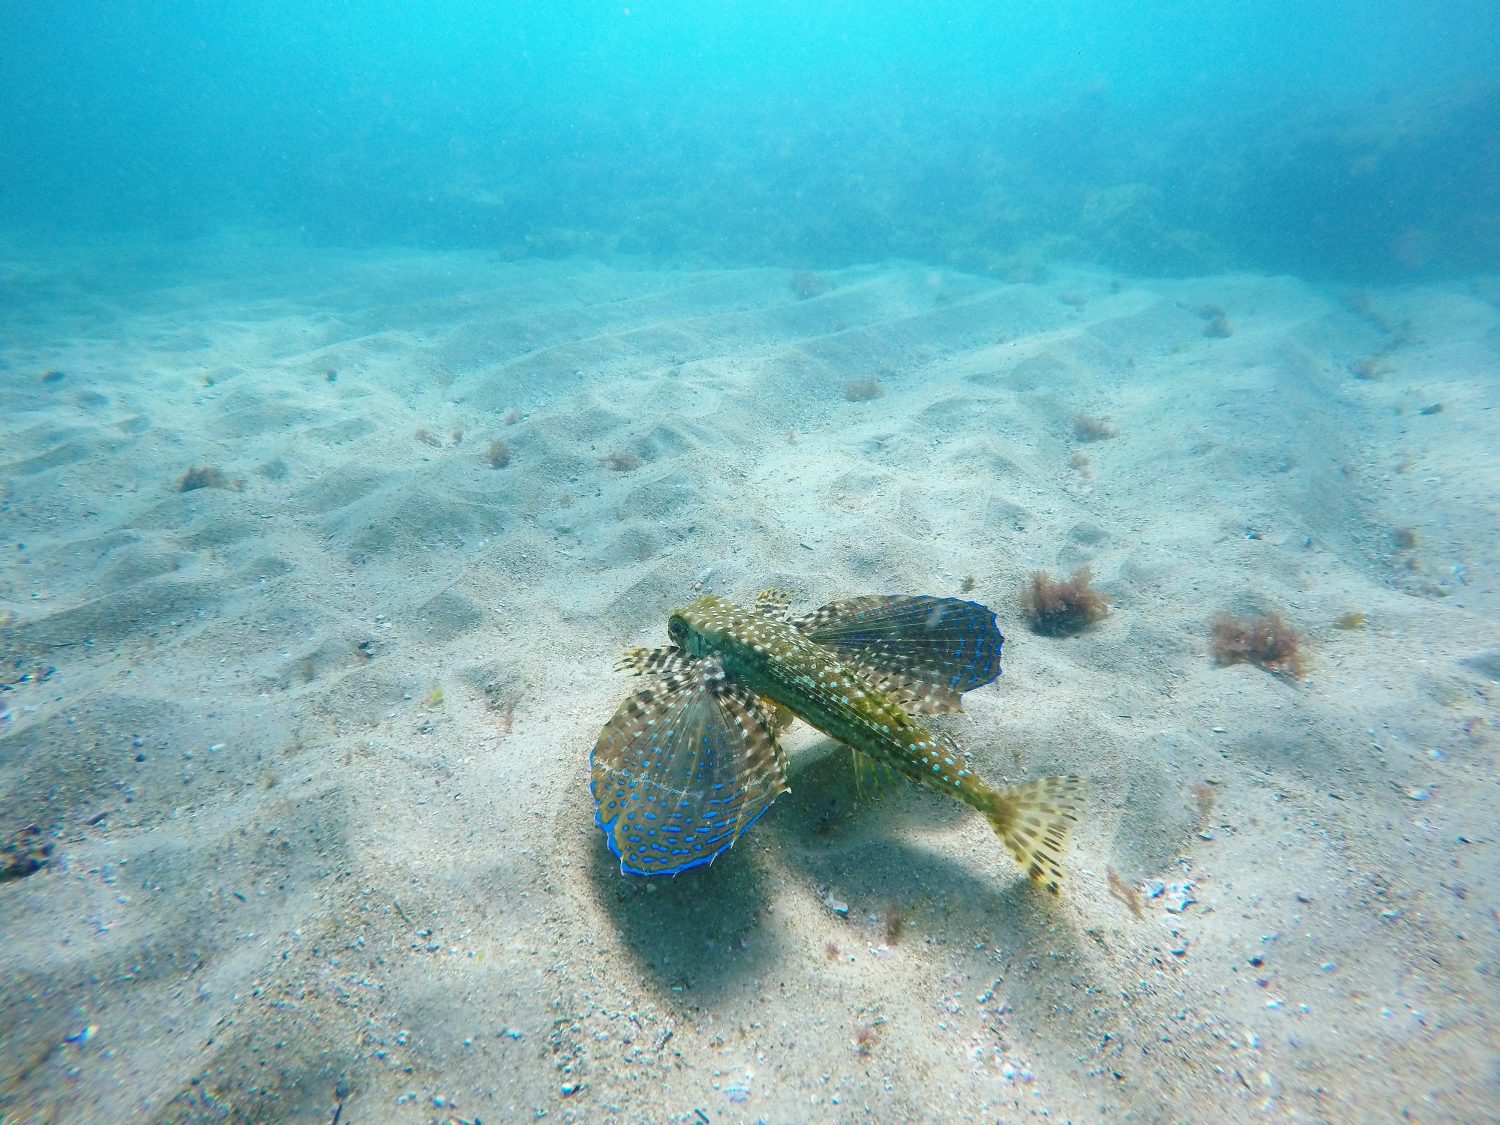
point(316, 885)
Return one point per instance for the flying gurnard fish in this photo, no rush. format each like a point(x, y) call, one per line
point(691, 761)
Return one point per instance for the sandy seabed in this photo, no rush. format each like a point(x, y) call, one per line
point(309, 744)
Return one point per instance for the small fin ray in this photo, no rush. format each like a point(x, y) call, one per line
point(653, 661)
point(781, 716)
point(773, 603)
point(877, 775)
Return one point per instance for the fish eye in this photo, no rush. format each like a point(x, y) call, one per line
point(676, 631)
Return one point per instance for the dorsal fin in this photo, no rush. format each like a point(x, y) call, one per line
point(924, 651)
point(773, 604)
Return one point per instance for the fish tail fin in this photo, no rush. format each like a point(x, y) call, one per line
point(1034, 821)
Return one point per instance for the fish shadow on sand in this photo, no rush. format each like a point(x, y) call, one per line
point(868, 848)
point(977, 914)
point(692, 936)
point(707, 934)
point(710, 935)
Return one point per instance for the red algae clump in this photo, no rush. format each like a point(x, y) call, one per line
point(1062, 609)
point(1267, 642)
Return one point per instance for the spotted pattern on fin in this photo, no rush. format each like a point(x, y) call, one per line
point(653, 661)
point(1034, 821)
point(686, 765)
point(773, 604)
point(925, 652)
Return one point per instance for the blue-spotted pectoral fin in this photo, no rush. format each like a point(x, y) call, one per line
point(683, 769)
point(925, 651)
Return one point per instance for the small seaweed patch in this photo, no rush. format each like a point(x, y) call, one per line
point(24, 854)
point(1062, 609)
point(894, 924)
point(621, 461)
point(1204, 799)
point(1268, 642)
point(1127, 894)
point(807, 285)
point(1086, 428)
point(1215, 322)
point(1371, 369)
point(497, 454)
point(208, 476)
point(863, 390)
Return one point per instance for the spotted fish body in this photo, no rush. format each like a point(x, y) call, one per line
point(690, 762)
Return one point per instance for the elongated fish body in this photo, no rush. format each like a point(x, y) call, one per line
point(689, 763)
point(777, 661)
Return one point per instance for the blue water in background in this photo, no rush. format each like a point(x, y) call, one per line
point(1351, 140)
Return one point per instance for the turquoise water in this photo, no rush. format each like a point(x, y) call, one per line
point(373, 374)
point(1348, 140)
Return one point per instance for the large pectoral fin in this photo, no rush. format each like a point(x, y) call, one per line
point(684, 767)
point(924, 651)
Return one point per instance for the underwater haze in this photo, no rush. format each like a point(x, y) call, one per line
point(1354, 141)
point(734, 562)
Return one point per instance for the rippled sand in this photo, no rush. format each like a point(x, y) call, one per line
point(309, 745)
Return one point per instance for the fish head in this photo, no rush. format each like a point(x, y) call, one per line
point(703, 628)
